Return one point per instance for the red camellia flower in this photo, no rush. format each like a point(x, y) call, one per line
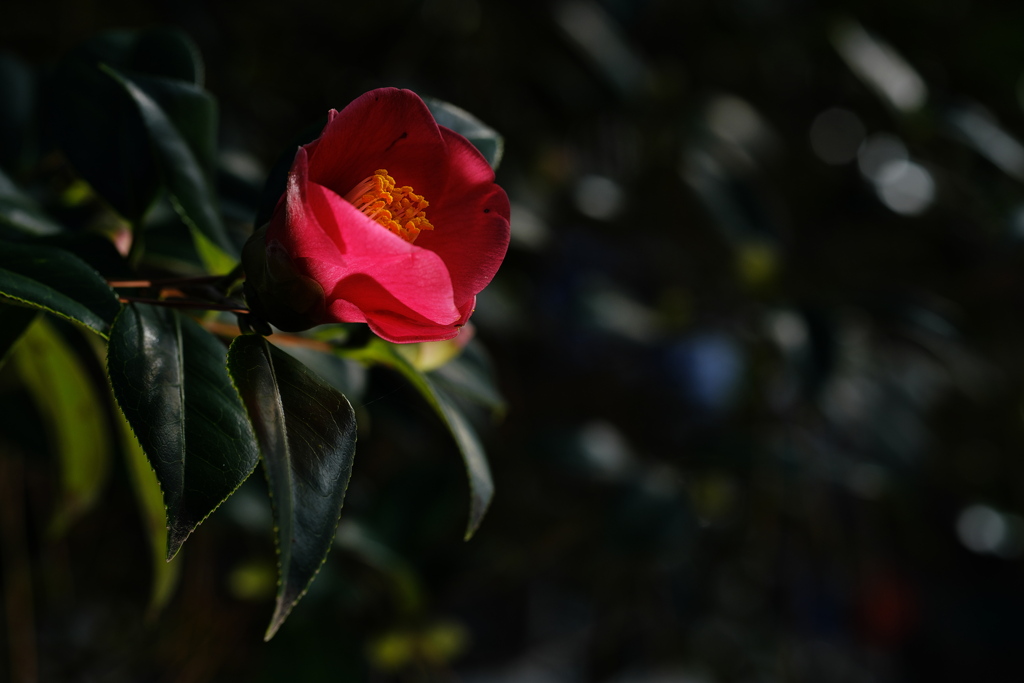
point(388, 219)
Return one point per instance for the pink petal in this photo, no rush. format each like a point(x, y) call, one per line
point(415, 277)
point(471, 220)
point(385, 128)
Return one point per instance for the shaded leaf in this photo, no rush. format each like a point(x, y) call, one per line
point(98, 127)
point(481, 486)
point(183, 175)
point(407, 591)
point(484, 138)
point(57, 281)
point(170, 379)
point(347, 376)
point(14, 320)
point(307, 435)
point(154, 519)
point(17, 109)
point(277, 179)
point(74, 413)
point(165, 52)
point(471, 376)
point(193, 113)
point(19, 212)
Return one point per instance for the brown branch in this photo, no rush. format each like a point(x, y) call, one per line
point(182, 303)
point(167, 282)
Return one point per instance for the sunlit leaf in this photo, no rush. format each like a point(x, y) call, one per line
point(75, 415)
point(481, 486)
point(57, 281)
point(307, 435)
point(170, 379)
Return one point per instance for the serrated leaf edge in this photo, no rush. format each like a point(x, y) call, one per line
point(281, 610)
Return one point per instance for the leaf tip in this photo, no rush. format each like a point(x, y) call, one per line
point(175, 538)
point(281, 611)
point(476, 517)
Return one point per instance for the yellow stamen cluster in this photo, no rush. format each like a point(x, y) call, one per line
point(398, 209)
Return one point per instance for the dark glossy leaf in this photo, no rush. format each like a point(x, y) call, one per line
point(24, 217)
point(97, 123)
point(307, 435)
point(277, 178)
point(94, 249)
point(165, 52)
point(154, 518)
point(481, 486)
point(347, 376)
point(14, 320)
point(98, 127)
point(186, 182)
point(193, 113)
point(170, 379)
point(59, 282)
point(20, 212)
point(484, 138)
point(17, 109)
point(74, 411)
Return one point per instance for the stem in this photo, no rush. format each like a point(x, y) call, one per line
point(167, 282)
point(182, 303)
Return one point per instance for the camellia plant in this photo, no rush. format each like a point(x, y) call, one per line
point(226, 349)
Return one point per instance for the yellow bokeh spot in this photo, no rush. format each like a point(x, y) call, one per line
point(757, 264)
point(253, 581)
point(392, 651)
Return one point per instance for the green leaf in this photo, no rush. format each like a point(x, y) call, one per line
point(484, 138)
point(98, 127)
point(17, 112)
point(98, 124)
point(19, 212)
point(154, 519)
point(74, 413)
point(165, 52)
point(57, 281)
point(407, 591)
point(14, 320)
point(193, 113)
point(188, 185)
point(307, 435)
point(347, 376)
point(481, 486)
point(170, 380)
point(471, 376)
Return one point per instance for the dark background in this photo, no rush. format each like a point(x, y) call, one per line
point(764, 391)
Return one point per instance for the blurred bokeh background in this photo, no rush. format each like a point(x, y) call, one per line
point(759, 333)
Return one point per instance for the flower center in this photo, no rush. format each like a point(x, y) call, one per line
point(398, 209)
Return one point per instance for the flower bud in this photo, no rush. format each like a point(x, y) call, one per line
point(275, 290)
